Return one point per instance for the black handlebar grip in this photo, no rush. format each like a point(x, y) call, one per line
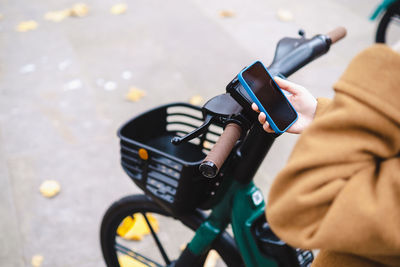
point(220, 151)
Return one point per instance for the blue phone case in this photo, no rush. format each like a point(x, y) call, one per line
point(260, 106)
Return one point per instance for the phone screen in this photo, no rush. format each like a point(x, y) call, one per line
point(269, 95)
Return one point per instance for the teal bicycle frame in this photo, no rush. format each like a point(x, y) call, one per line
point(241, 205)
point(381, 8)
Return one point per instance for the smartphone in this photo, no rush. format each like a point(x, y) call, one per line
point(269, 98)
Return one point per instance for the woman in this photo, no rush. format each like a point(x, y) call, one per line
point(340, 190)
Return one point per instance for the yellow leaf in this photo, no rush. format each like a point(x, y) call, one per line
point(212, 258)
point(227, 13)
point(37, 260)
point(196, 100)
point(50, 188)
point(57, 16)
point(134, 228)
point(79, 10)
point(284, 15)
point(127, 261)
point(118, 9)
point(207, 144)
point(28, 25)
point(135, 94)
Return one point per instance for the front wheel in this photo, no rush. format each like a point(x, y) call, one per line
point(158, 238)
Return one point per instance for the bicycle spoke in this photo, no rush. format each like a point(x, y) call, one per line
point(136, 256)
point(160, 247)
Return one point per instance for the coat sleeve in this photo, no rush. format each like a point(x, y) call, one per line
point(322, 104)
point(340, 189)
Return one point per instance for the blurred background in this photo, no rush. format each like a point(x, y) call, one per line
point(70, 75)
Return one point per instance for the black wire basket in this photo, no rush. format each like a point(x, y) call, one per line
point(169, 173)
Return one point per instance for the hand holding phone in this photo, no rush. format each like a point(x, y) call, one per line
point(301, 99)
point(269, 98)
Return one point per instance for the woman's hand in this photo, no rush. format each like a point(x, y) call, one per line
point(301, 99)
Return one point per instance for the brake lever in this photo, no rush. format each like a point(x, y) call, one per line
point(197, 132)
point(217, 110)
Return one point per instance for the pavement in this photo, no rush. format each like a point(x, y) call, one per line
point(58, 120)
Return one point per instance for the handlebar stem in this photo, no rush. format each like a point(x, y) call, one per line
point(253, 149)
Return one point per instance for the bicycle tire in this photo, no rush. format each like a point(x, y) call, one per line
point(126, 206)
point(393, 10)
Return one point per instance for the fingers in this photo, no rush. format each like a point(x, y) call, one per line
point(262, 120)
point(255, 107)
point(262, 117)
point(288, 86)
point(267, 128)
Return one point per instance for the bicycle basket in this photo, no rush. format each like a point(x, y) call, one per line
point(166, 172)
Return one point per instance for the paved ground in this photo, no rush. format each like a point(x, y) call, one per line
point(174, 50)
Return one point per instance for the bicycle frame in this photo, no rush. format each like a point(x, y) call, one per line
point(381, 8)
point(239, 202)
point(242, 205)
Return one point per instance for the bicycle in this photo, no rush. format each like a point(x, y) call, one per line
point(189, 159)
point(388, 30)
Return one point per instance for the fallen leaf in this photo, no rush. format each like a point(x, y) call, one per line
point(28, 68)
point(73, 85)
point(28, 25)
point(57, 16)
point(128, 261)
point(64, 64)
point(135, 94)
point(1, 16)
point(135, 227)
point(212, 258)
point(110, 86)
point(196, 100)
point(37, 260)
point(227, 13)
point(118, 9)
point(284, 15)
point(126, 75)
point(49, 188)
point(79, 10)
point(207, 145)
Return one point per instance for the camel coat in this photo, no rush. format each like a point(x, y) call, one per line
point(340, 190)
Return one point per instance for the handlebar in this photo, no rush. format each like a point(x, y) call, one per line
point(299, 52)
point(285, 64)
point(220, 151)
point(337, 34)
